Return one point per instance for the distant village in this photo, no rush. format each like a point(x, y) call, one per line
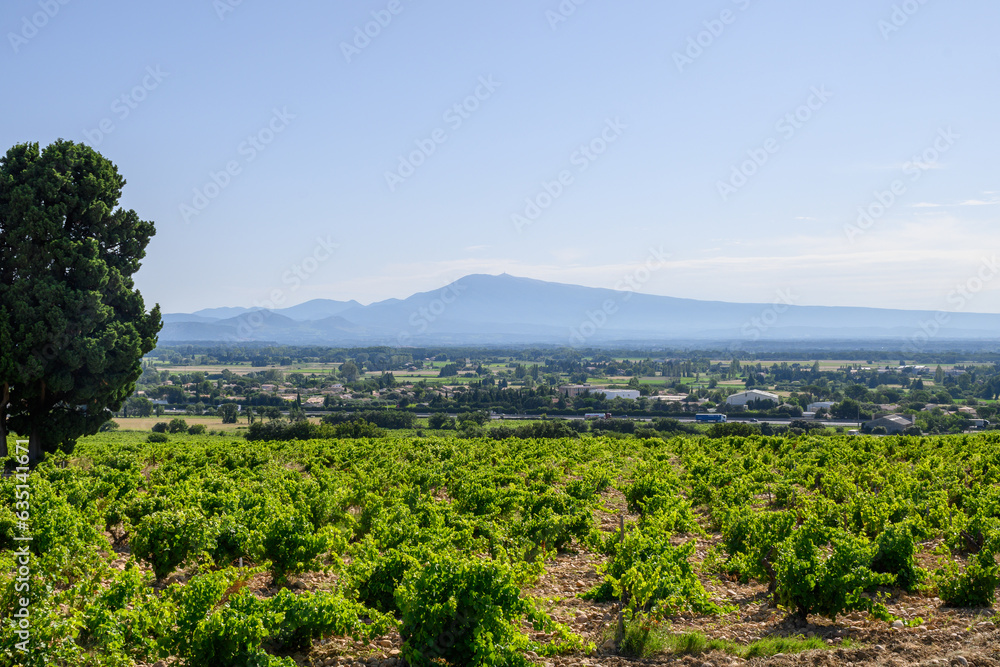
point(897, 398)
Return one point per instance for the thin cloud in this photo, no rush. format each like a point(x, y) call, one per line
point(967, 202)
point(923, 166)
point(569, 255)
point(900, 166)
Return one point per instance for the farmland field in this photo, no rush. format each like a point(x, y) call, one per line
point(209, 550)
point(146, 423)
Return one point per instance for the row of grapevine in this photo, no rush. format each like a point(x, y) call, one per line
point(438, 538)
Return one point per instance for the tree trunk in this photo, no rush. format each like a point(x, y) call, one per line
point(35, 446)
point(4, 400)
point(35, 439)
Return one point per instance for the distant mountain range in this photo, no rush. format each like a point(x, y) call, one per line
point(502, 310)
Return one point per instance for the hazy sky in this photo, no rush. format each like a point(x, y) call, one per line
point(282, 151)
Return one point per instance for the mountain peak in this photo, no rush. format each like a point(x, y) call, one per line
point(505, 309)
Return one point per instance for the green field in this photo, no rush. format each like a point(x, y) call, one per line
point(213, 550)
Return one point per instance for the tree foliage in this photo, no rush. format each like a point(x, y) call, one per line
point(74, 328)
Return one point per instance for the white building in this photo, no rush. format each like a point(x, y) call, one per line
point(611, 394)
point(751, 395)
point(813, 407)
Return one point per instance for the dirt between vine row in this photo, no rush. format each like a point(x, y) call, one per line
point(945, 637)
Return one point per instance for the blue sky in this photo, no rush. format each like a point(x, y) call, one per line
point(283, 153)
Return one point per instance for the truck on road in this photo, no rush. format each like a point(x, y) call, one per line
point(711, 418)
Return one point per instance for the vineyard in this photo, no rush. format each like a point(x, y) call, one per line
point(596, 549)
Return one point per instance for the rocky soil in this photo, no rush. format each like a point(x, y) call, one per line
point(927, 634)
